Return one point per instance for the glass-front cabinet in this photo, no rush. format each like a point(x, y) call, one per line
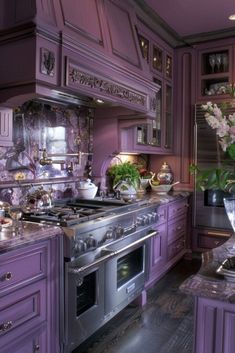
point(168, 128)
point(215, 72)
point(156, 135)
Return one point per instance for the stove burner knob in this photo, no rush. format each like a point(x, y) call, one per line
point(109, 234)
point(119, 231)
point(91, 242)
point(151, 217)
point(155, 217)
point(146, 219)
point(140, 221)
point(80, 246)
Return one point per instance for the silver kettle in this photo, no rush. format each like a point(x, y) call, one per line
point(39, 199)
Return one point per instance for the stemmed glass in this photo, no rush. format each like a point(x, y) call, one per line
point(218, 59)
point(229, 204)
point(212, 62)
point(15, 213)
point(224, 62)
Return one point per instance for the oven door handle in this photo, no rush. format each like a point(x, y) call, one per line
point(78, 270)
point(137, 242)
point(111, 254)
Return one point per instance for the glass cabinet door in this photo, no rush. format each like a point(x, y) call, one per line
point(168, 128)
point(155, 132)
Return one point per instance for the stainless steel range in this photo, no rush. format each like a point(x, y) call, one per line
point(106, 260)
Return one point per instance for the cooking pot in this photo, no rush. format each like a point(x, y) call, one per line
point(39, 199)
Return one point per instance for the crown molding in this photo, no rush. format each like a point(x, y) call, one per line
point(152, 20)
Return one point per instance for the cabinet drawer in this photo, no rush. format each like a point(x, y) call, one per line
point(177, 208)
point(176, 229)
point(22, 310)
point(19, 267)
point(34, 341)
point(175, 248)
point(161, 214)
point(210, 242)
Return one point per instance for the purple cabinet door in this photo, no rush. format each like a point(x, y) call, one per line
point(158, 253)
point(214, 326)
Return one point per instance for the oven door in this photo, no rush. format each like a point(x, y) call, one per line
point(84, 303)
point(127, 272)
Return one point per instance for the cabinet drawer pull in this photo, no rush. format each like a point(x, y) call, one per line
point(6, 326)
point(7, 276)
point(218, 234)
point(216, 242)
point(179, 228)
point(161, 215)
point(36, 348)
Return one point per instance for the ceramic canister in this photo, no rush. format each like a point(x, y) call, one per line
point(165, 175)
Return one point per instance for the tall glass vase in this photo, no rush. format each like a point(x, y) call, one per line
point(229, 204)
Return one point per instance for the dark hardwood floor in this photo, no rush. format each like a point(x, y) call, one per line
point(163, 325)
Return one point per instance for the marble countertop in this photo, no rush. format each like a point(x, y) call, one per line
point(153, 197)
point(28, 233)
point(207, 283)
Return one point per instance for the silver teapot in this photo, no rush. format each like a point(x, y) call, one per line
point(126, 190)
point(39, 199)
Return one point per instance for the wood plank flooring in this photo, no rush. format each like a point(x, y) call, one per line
point(163, 325)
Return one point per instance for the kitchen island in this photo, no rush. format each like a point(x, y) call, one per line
point(214, 303)
point(30, 280)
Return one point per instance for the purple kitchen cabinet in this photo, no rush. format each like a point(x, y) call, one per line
point(170, 244)
point(34, 341)
point(29, 298)
point(214, 326)
point(6, 119)
point(215, 70)
point(158, 254)
point(207, 238)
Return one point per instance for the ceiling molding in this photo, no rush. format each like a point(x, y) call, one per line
point(209, 36)
point(156, 23)
point(152, 20)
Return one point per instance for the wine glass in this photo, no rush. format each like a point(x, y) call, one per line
point(15, 213)
point(229, 204)
point(218, 59)
point(212, 62)
point(224, 62)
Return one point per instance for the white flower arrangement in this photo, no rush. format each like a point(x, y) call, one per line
point(224, 126)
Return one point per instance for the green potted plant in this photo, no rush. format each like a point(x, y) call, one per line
point(125, 179)
point(125, 171)
point(216, 183)
point(219, 178)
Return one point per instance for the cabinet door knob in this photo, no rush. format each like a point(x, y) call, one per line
point(5, 326)
point(7, 276)
point(36, 348)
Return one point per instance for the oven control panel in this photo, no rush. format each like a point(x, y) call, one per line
point(110, 229)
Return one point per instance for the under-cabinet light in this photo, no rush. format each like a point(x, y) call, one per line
point(232, 17)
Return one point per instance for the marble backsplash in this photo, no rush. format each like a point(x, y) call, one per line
point(59, 130)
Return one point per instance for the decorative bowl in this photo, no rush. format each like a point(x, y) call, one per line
point(162, 188)
point(87, 193)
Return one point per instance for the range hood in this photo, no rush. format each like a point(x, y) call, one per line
point(48, 51)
